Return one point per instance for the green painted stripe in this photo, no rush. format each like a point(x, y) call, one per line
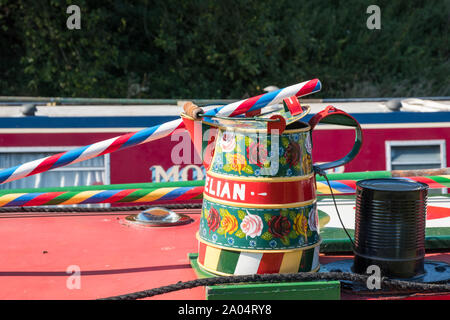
point(61, 198)
point(356, 175)
point(439, 179)
point(135, 195)
point(228, 261)
point(307, 259)
point(311, 290)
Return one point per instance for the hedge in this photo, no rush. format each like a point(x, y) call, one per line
point(223, 49)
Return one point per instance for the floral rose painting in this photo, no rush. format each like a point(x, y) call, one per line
point(301, 225)
point(252, 225)
point(229, 223)
point(306, 163)
point(313, 219)
point(228, 141)
point(308, 145)
point(213, 220)
point(293, 152)
point(236, 161)
point(279, 226)
point(257, 154)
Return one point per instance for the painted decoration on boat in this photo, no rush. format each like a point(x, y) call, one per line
point(259, 229)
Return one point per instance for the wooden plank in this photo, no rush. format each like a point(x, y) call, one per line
point(314, 290)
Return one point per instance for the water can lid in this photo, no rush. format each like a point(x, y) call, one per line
point(392, 185)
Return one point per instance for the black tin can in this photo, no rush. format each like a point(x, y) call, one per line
point(390, 227)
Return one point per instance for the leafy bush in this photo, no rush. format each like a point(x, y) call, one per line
point(222, 49)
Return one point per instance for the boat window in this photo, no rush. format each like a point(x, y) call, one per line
point(407, 155)
point(417, 154)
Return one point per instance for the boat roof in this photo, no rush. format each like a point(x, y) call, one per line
point(175, 109)
point(42, 251)
point(419, 113)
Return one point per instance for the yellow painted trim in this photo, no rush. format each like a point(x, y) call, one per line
point(184, 115)
point(321, 187)
point(155, 195)
point(209, 244)
point(230, 274)
point(306, 129)
point(256, 179)
point(212, 256)
point(259, 206)
point(80, 197)
point(7, 198)
point(291, 262)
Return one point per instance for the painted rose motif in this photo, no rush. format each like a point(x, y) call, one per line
point(213, 220)
point(301, 225)
point(229, 223)
point(313, 219)
point(257, 154)
point(279, 226)
point(252, 225)
point(237, 162)
point(306, 163)
point(228, 141)
point(308, 145)
point(293, 152)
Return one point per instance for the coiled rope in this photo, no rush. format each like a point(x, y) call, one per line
point(396, 285)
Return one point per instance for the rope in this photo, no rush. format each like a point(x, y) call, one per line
point(322, 173)
point(403, 286)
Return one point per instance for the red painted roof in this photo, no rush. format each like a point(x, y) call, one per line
point(114, 257)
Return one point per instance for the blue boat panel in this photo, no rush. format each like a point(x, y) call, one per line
point(149, 121)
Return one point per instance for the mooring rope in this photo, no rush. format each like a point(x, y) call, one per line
point(397, 285)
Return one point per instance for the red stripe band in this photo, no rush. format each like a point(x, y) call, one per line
point(201, 252)
point(46, 164)
point(190, 194)
point(270, 263)
point(43, 198)
point(260, 192)
point(118, 196)
point(431, 183)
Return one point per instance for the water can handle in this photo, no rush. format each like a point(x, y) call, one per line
point(332, 115)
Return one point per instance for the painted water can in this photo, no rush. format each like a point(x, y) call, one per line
point(259, 212)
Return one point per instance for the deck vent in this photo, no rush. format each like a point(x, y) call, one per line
point(159, 217)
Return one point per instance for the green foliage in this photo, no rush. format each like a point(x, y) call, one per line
point(267, 236)
point(222, 49)
point(240, 234)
